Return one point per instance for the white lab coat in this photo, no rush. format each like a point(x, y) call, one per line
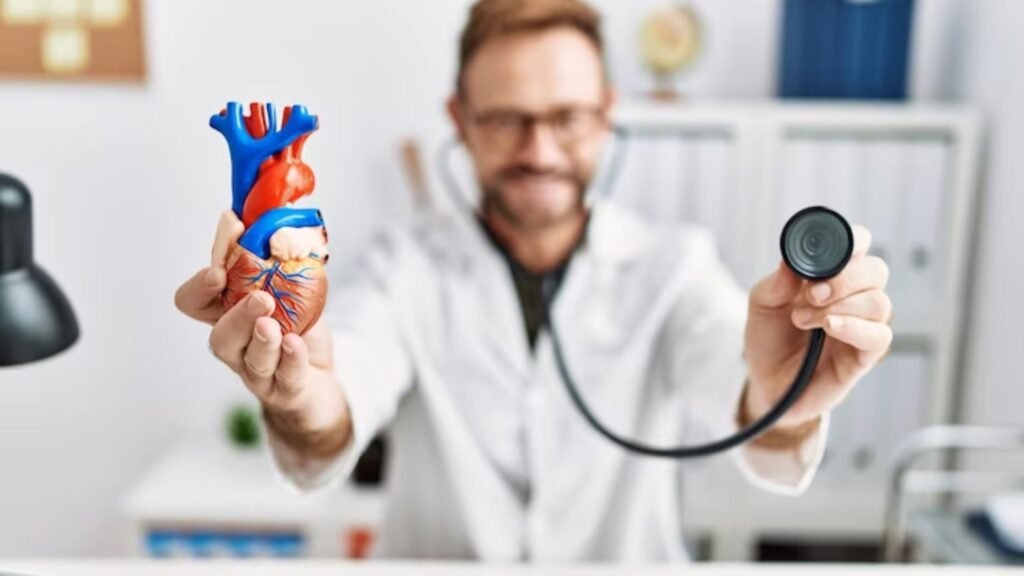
point(491, 460)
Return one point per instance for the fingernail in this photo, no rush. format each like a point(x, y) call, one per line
point(286, 349)
point(821, 292)
point(259, 336)
point(803, 316)
point(835, 322)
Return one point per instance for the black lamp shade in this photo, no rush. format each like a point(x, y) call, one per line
point(36, 319)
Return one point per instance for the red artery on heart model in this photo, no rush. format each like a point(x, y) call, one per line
point(283, 248)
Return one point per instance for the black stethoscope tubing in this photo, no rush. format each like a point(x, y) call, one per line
point(745, 434)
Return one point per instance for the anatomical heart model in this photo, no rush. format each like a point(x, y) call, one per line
point(283, 248)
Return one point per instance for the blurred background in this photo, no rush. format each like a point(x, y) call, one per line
point(905, 115)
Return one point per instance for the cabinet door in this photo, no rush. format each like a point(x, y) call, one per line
point(883, 408)
point(897, 187)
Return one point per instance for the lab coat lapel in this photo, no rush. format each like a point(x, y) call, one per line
point(614, 238)
point(497, 315)
point(500, 315)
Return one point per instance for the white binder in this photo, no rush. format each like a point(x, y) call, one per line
point(886, 405)
point(796, 186)
point(635, 186)
point(835, 175)
point(881, 183)
point(920, 246)
point(675, 166)
point(880, 193)
point(714, 202)
point(907, 393)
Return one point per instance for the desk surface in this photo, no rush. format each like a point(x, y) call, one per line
point(334, 568)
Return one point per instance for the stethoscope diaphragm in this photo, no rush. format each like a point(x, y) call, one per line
point(816, 243)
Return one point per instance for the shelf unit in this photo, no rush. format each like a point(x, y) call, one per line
point(909, 173)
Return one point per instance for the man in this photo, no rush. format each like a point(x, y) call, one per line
point(437, 333)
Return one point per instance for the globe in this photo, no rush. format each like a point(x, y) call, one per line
point(670, 39)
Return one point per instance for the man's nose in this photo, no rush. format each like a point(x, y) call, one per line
point(540, 147)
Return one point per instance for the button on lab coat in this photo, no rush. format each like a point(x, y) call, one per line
point(491, 460)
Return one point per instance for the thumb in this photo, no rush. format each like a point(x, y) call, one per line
point(777, 289)
point(199, 296)
point(229, 231)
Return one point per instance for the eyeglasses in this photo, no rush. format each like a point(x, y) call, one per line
point(506, 130)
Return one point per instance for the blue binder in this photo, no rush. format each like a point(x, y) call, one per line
point(855, 49)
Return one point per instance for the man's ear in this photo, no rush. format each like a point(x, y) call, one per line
point(611, 98)
point(455, 114)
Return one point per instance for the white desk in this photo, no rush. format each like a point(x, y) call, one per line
point(335, 568)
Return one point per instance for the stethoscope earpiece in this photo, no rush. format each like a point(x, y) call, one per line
point(816, 243)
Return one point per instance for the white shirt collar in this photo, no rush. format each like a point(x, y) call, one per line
point(614, 235)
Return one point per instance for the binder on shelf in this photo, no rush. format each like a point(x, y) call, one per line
point(880, 193)
point(920, 245)
point(795, 189)
point(835, 175)
point(908, 392)
point(856, 436)
point(673, 169)
point(635, 188)
point(717, 205)
point(881, 186)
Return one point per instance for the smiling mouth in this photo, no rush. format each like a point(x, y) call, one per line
point(539, 179)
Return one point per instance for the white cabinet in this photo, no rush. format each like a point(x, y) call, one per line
point(214, 501)
point(908, 174)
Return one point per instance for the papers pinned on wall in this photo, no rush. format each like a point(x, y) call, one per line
point(89, 40)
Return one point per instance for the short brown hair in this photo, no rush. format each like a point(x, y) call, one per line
point(489, 19)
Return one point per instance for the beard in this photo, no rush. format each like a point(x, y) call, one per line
point(525, 209)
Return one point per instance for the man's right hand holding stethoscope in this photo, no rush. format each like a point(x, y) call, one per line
point(853, 309)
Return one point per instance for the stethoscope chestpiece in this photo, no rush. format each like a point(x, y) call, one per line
point(816, 243)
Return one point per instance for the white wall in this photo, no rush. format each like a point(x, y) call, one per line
point(128, 183)
point(993, 80)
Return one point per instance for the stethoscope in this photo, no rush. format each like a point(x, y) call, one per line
point(816, 245)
